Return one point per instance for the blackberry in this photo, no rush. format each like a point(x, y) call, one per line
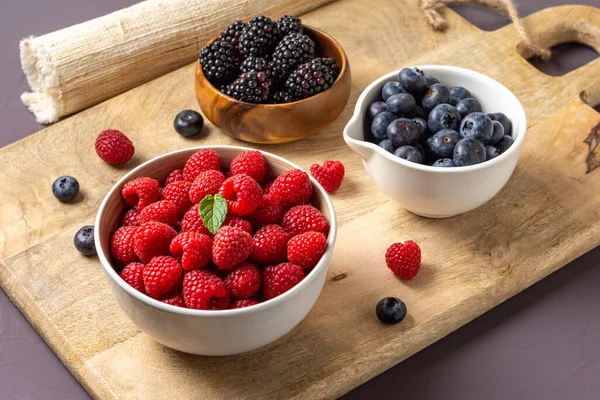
point(219, 61)
point(251, 87)
point(282, 97)
point(259, 37)
point(294, 49)
point(256, 64)
point(288, 24)
point(312, 78)
point(232, 33)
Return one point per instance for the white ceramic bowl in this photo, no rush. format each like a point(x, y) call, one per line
point(433, 191)
point(203, 332)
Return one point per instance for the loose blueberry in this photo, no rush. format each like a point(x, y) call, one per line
point(468, 151)
point(376, 108)
point(423, 129)
point(188, 123)
point(413, 81)
point(468, 106)
point(84, 241)
point(504, 143)
point(409, 153)
point(401, 104)
point(390, 89)
point(387, 145)
point(390, 310)
point(402, 131)
point(491, 152)
point(65, 188)
point(435, 95)
point(503, 119)
point(430, 80)
point(497, 132)
point(444, 162)
point(443, 116)
point(441, 145)
point(418, 112)
point(458, 93)
point(478, 126)
point(380, 124)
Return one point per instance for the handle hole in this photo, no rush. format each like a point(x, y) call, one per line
point(566, 57)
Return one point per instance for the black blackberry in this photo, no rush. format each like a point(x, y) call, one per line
point(257, 64)
point(259, 37)
point(251, 87)
point(232, 33)
point(311, 78)
point(288, 24)
point(282, 97)
point(294, 49)
point(219, 61)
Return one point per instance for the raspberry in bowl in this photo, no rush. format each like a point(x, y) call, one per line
point(215, 275)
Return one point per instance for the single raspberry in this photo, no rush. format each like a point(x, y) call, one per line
point(202, 160)
point(140, 192)
point(207, 182)
point(242, 303)
point(178, 194)
point(302, 219)
point(330, 175)
point(133, 275)
point(306, 249)
point(267, 188)
point(404, 259)
point(278, 279)
point(153, 239)
point(162, 211)
point(269, 212)
point(269, 245)
point(292, 188)
point(131, 218)
point(175, 300)
point(232, 220)
point(251, 163)
point(192, 222)
point(203, 290)
point(192, 249)
point(174, 176)
point(243, 281)
point(122, 245)
point(242, 193)
point(161, 275)
point(231, 246)
point(114, 147)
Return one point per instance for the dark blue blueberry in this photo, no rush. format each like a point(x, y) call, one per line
point(468, 152)
point(423, 129)
point(402, 131)
point(401, 104)
point(391, 88)
point(84, 241)
point(413, 81)
point(468, 106)
point(376, 108)
point(497, 132)
point(458, 93)
point(387, 145)
point(65, 188)
point(380, 124)
point(504, 143)
point(444, 162)
point(478, 126)
point(390, 310)
point(418, 112)
point(435, 95)
point(419, 147)
point(430, 80)
point(443, 116)
point(491, 152)
point(503, 119)
point(409, 153)
point(188, 123)
point(441, 145)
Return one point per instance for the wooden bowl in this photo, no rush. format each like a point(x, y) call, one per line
point(279, 123)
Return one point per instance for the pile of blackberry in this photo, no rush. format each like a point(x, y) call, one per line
point(266, 61)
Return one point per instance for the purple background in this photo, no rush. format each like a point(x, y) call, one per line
point(542, 344)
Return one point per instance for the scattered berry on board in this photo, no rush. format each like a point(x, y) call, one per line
point(84, 241)
point(114, 147)
point(188, 123)
point(329, 175)
point(65, 188)
point(390, 310)
point(404, 259)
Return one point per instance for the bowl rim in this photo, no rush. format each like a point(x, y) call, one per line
point(360, 104)
point(263, 306)
point(343, 70)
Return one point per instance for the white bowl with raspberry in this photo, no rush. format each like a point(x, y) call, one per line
point(226, 293)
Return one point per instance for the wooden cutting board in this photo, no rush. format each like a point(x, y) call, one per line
point(546, 216)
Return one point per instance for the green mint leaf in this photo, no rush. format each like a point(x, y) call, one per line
point(213, 210)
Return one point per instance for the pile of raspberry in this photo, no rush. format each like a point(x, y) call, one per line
point(270, 240)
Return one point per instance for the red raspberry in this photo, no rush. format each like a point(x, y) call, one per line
point(232, 220)
point(114, 147)
point(207, 182)
point(131, 218)
point(192, 249)
point(153, 239)
point(404, 259)
point(231, 247)
point(162, 211)
point(202, 160)
point(140, 192)
point(278, 279)
point(192, 222)
point(251, 163)
point(175, 300)
point(242, 303)
point(122, 245)
point(292, 188)
point(178, 194)
point(242, 193)
point(267, 188)
point(161, 275)
point(133, 275)
point(302, 219)
point(330, 175)
point(269, 212)
point(174, 176)
point(269, 245)
point(203, 290)
point(243, 281)
point(306, 249)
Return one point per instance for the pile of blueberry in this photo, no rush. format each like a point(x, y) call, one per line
point(424, 121)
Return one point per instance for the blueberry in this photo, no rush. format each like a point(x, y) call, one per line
point(478, 126)
point(444, 162)
point(430, 80)
point(409, 153)
point(188, 123)
point(418, 112)
point(443, 116)
point(413, 81)
point(402, 131)
point(504, 143)
point(435, 95)
point(468, 151)
point(401, 104)
point(491, 152)
point(423, 129)
point(390, 310)
point(441, 145)
point(468, 106)
point(380, 124)
point(65, 188)
point(420, 148)
point(497, 132)
point(376, 108)
point(387, 145)
point(84, 241)
point(391, 88)
point(458, 93)
point(503, 119)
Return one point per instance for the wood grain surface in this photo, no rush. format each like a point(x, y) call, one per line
point(546, 216)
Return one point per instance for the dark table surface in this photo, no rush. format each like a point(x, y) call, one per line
point(542, 344)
